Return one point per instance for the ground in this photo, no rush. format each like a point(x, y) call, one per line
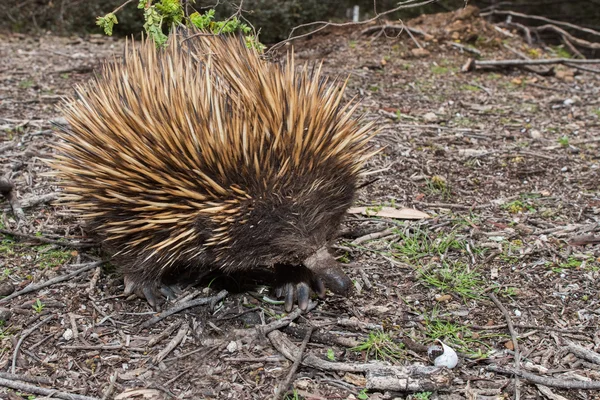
point(504, 162)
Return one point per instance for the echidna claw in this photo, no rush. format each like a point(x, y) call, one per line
point(154, 293)
point(295, 284)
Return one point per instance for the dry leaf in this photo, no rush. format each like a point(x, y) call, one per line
point(389, 212)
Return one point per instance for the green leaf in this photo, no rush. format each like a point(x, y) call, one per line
point(202, 21)
point(107, 23)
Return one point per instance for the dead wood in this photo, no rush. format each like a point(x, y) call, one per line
point(473, 64)
point(543, 19)
point(23, 337)
point(283, 386)
point(546, 380)
point(584, 353)
point(26, 387)
point(58, 279)
point(513, 335)
point(414, 378)
point(42, 239)
point(180, 307)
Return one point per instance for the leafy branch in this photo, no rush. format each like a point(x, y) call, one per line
point(170, 13)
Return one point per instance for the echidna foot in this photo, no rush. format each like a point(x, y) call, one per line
point(155, 293)
point(293, 291)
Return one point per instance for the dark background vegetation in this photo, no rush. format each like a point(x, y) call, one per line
point(274, 18)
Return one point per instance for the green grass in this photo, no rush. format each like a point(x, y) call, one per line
point(461, 338)
point(470, 88)
point(439, 70)
point(26, 83)
point(418, 244)
point(518, 206)
point(293, 396)
point(563, 141)
point(52, 258)
point(421, 396)
point(438, 185)
point(454, 277)
point(561, 52)
point(379, 345)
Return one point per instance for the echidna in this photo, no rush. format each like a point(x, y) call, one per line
point(203, 156)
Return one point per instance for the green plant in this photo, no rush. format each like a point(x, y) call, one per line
point(292, 396)
point(330, 355)
point(362, 395)
point(162, 15)
point(422, 396)
point(52, 258)
point(439, 70)
point(457, 336)
point(418, 244)
point(438, 185)
point(38, 306)
point(454, 277)
point(561, 52)
point(564, 141)
point(381, 346)
point(26, 83)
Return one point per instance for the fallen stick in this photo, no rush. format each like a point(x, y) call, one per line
point(180, 307)
point(539, 18)
point(45, 240)
point(513, 335)
point(171, 345)
point(546, 380)
point(22, 338)
point(472, 63)
point(567, 35)
point(414, 378)
point(58, 279)
point(280, 391)
point(26, 387)
point(584, 353)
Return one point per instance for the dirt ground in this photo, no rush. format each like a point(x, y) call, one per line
point(505, 162)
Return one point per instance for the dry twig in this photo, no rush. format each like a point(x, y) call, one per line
point(58, 279)
point(513, 335)
point(26, 387)
point(23, 337)
point(325, 24)
point(180, 307)
point(546, 380)
point(282, 388)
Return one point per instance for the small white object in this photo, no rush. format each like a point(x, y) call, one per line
point(442, 355)
point(355, 14)
point(569, 102)
point(68, 334)
point(517, 313)
point(564, 169)
point(232, 347)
